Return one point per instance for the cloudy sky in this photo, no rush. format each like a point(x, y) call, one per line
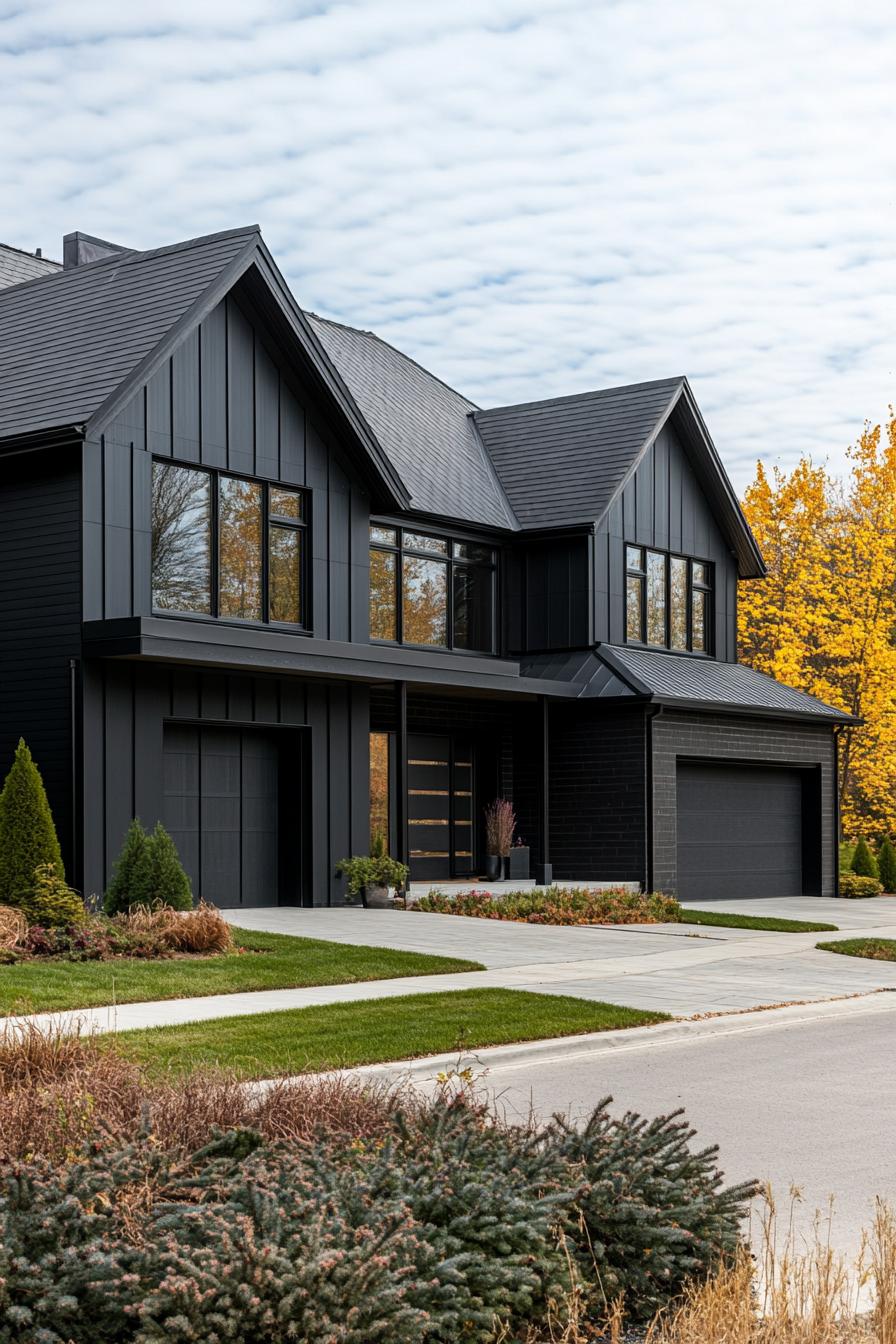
point(532, 197)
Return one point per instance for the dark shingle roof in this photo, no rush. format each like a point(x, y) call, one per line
point(69, 339)
point(673, 679)
point(17, 266)
point(423, 425)
point(581, 670)
point(562, 461)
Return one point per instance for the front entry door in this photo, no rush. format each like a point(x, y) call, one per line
point(441, 816)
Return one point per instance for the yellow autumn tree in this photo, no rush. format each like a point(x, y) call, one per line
point(825, 618)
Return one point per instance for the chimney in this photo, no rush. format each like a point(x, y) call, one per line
point(80, 248)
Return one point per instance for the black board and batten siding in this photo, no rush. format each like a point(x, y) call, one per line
point(224, 400)
point(663, 506)
point(127, 707)
point(40, 617)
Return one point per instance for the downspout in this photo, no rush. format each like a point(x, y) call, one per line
point(651, 712)
point(838, 728)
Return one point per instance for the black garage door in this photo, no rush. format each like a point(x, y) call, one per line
point(740, 831)
point(221, 806)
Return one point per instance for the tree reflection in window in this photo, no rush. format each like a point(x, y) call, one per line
point(383, 594)
point(678, 602)
point(181, 539)
point(656, 598)
point(285, 575)
point(239, 549)
point(425, 601)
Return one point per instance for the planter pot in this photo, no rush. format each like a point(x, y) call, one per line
point(493, 866)
point(377, 898)
point(518, 863)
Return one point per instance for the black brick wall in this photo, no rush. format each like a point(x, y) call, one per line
point(722, 738)
point(597, 793)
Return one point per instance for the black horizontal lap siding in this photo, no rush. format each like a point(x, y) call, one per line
point(226, 399)
point(706, 738)
point(663, 506)
point(126, 707)
point(40, 618)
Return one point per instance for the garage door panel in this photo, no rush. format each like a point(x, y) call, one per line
point(739, 831)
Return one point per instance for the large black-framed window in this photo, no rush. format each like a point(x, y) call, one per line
point(431, 591)
point(668, 600)
point(228, 546)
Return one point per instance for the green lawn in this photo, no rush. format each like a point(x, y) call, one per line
point(344, 1034)
point(876, 949)
point(277, 961)
point(720, 920)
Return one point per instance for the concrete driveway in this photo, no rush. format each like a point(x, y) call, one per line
point(679, 969)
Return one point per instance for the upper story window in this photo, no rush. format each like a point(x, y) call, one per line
point(667, 600)
point(226, 546)
point(431, 591)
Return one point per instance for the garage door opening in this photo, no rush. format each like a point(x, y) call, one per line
point(233, 807)
point(747, 831)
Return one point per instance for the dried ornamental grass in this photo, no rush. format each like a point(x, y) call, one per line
point(13, 927)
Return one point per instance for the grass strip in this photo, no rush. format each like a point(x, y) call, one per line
point(875, 949)
point(720, 920)
point(274, 961)
point(340, 1035)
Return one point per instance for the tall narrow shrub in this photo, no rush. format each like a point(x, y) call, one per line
point(131, 877)
point(886, 865)
point(167, 880)
point(863, 861)
point(27, 833)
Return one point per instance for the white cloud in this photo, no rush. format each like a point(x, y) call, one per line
point(532, 197)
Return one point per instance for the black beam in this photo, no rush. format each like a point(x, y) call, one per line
point(401, 772)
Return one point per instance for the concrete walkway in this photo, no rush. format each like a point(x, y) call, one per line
point(683, 970)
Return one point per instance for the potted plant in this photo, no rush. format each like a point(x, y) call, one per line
point(500, 820)
point(371, 875)
point(518, 866)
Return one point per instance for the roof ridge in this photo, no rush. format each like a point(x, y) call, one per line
point(33, 256)
point(570, 397)
point(363, 331)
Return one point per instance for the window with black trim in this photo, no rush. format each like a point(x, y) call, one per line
point(227, 546)
point(432, 591)
point(667, 600)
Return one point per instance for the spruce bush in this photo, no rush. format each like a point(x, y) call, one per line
point(27, 833)
point(168, 882)
point(50, 902)
point(863, 861)
point(131, 876)
point(886, 865)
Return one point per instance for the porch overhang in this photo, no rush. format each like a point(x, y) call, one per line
point(254, 649)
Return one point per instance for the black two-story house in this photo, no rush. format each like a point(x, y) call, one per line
point(268, 580)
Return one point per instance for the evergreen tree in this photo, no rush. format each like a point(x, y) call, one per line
point(27, 833)
point(167, 880)
point(886, 865)
point(132, 876)
point(863, 861)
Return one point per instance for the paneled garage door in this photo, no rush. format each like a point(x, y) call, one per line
point(221, 806)
point(740, 831)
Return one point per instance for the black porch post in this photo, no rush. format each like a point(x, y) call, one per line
point(401, 769)
point(544, 870)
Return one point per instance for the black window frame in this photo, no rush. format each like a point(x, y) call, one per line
point(300, 525)
point(707, 586)
point(449, 559)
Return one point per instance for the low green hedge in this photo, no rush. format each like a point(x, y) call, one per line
point(450, 1225)
point(858, 888)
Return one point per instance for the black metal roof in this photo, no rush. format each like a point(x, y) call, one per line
point(69, 339)
point(675, 679)
point(562, 461)
point(17, 266)
point(424, 426)
point(578, 672)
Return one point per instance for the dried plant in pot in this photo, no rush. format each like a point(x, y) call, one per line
point(500, 822)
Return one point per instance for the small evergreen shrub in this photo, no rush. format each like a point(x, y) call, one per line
point(50, 901)
point(863, 861)
point(130, 883)
point(853, 885)
point(168, 882)
point(27, 833)
point(148, 872)
point(886, 865)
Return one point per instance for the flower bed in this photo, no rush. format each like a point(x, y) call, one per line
point(145, 934)
point(329, 1209)
point(558, 905)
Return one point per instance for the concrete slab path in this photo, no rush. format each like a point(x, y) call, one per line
point(683, 970)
